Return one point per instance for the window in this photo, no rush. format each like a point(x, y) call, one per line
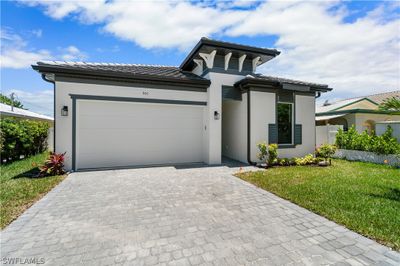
point(285, 123)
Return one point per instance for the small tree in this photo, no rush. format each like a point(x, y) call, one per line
point(326, 151)
point(390, 104)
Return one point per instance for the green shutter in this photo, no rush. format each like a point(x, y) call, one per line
point(272, 133)
point(298, 136)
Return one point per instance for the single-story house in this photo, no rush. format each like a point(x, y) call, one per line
point(362, 112)
point(19, 113)
point(212, 105)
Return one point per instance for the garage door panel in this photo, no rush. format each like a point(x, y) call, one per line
point(118, 134)
point(166, 139)
point(115, 122)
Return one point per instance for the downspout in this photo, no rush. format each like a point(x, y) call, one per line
point(318, 95)
point(54, 108)
point(248, 128)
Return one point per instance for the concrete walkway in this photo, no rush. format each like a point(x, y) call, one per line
point(168, 216)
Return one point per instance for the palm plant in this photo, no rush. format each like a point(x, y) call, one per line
point(390, 104)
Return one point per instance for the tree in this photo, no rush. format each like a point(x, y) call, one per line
point(390, 104)
point(7, 100)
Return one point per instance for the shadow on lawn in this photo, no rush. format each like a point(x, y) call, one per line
point(390, 194)
point(32, 173)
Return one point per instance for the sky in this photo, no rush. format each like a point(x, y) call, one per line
point(353, 46)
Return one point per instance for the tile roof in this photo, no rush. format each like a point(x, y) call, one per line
point(285, 80)
point(127, 69)
point(380, 97)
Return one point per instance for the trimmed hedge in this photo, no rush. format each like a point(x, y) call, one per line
point(22, 137)
point(352, 140)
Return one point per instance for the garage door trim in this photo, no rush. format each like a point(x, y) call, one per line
point(76, 97)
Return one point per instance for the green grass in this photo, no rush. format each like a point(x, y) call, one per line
point(364, 197)
point(19, 190)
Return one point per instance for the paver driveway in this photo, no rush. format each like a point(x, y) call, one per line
point(179, 217)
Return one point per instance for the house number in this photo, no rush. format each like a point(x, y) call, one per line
point(145, 93)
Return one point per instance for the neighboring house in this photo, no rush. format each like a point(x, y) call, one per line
point(362, 112)
point(212, 105)
point(10, 111)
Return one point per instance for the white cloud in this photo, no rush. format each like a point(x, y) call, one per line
point(39, 101)
point(160, 24)
point(72, 53)
point(16, 54)
point(357, 57)
point(14, 58)
point(354, 58)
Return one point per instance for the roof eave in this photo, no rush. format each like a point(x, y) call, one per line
point(233, 46)
point(202, 83)
point(248, 82)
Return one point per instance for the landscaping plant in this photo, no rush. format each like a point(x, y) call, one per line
point(390, 104)
point(267, 153)
point(22, 137)
point(272, 154)
point(352, 140)
point(306, 160)
point(326, 151)
point(54, 165)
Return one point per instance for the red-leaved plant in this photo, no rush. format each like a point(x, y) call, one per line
point(54, 165)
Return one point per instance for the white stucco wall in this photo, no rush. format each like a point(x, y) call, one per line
point(63, 131)
point(305, 115)
point(234, 129)
point(262, 111)
point(213, 135)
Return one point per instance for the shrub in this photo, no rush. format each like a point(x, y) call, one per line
point(22, 138)
point(306, 160)
point(263, 152)
point(54, 165)
point(325, 151)
point(267, 153)
point(272, 154)
point(284, 161)
point(352, 140)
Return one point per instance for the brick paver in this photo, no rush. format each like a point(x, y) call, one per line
point(168, 216)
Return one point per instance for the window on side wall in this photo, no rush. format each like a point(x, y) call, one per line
point(285, 117)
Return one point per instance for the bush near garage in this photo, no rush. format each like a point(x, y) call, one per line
point(352, 140)
point(22, 138)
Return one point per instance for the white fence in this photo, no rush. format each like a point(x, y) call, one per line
point(326, 134)
point(366, 156)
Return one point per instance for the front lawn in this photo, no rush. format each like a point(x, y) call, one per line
point(364, 197)
point(19, 190)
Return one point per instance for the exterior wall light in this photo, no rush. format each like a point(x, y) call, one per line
point(217, 115)
point(64, 110)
